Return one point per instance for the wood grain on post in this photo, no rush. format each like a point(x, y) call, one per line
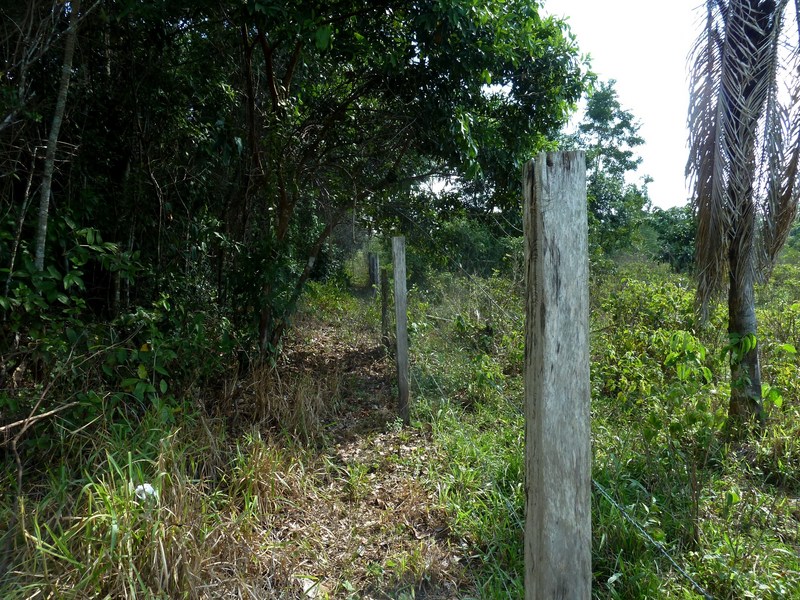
point(557, 393)
point(385, 307)
point(401, 320)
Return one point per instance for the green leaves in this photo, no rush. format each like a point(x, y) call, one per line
point(73, 279)
point(675, 229)
point(609, 135)
point(771, 395)
point(688, 355)
point(140, 372)
point(323, 37)
point(739, 346)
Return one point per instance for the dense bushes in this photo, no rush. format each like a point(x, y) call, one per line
point(660, 386)
point(723, 509)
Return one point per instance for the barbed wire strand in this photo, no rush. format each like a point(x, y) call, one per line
point(650, 539)
point(626, 515)
point(623, 511)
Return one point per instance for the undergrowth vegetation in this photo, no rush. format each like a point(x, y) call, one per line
point(724, 510)
point(298, 480)
point(197, 386)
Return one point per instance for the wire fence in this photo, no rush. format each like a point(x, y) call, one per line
point(479, 284)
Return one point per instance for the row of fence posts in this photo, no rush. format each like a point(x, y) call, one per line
point(557, 392)
point(401, 317)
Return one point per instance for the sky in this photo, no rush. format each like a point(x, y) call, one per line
point(643, 45)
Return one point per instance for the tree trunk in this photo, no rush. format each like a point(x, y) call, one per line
point(58, 117)
point(745, 402)
point(272, 324)
point(26, 200)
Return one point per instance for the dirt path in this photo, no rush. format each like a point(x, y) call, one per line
point(372, 529)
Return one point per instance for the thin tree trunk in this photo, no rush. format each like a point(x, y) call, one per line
point(745, 402)
point(272, 326)
point(26, 200)
point(58, 117)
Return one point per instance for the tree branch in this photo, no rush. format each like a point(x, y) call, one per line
point(269, 66)
point(287, 77)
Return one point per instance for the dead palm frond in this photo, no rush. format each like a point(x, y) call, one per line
point(744, 141)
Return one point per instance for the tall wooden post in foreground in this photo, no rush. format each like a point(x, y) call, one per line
point(557, 393)
point(401, 320)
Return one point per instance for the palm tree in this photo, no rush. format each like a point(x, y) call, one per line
point(744, 144)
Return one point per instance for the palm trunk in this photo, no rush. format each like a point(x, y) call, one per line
point(58, 117)
point(745, 402)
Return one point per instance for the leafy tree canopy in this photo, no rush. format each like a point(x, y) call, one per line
point(675, 229)
point(217, 145)
point(609, 135)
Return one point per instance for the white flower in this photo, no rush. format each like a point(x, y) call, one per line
point(145, 491)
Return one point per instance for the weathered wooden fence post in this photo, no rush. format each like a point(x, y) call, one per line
point(401, 320)
point(372, 259)
point(557, 393)
point(385, 307)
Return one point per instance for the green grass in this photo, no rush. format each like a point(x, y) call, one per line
point(87, 534)
point(724, 509)
point(266, 498)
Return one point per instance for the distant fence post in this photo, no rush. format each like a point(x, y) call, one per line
point(372, 259)
point(385, 307)
point(557, 393)
point(401, 320)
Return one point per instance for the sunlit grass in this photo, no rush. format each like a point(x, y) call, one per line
point(725, 510)
point(261, 500)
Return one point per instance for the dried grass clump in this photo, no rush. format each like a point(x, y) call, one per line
point(211, 529)
point(296, 403)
